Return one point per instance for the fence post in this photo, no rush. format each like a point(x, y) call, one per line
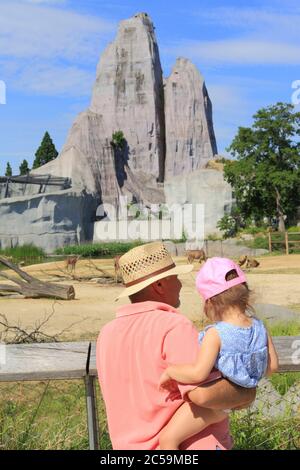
point(270, 242)
point(91, 407)
point(286, 243)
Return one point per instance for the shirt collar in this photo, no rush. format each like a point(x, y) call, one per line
point(142, 307)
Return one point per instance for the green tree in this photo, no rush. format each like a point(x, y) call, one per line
point(266, 173)
point(8, 171)
point(24, 168)
point(118, 140)
point(46, 152)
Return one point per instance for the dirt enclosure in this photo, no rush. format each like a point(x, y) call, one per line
point(276, 281)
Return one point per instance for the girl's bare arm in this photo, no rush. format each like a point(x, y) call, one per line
point(200, 370)
point(273, 363)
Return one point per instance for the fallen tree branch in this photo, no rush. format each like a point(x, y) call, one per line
point(33, 287)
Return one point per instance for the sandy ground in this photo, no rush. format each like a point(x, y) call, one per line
point(276, 281)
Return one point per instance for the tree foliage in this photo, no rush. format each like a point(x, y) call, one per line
point(266, 173)
point(46, 152)
point(8, 171)
point(118, 140)
point(24, 168)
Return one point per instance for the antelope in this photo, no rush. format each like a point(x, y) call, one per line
point(117, 267)
point(71, 261)
point(252, 263)
point(196, 254)
point(242, 260)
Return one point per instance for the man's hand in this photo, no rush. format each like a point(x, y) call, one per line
point(222, 395)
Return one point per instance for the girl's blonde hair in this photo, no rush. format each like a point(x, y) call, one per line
point(237, 296)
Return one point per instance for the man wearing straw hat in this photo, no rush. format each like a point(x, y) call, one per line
point(135, 348)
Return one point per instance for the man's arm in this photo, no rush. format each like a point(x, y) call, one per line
point(221, 395)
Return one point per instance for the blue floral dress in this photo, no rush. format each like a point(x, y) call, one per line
point(243, 356)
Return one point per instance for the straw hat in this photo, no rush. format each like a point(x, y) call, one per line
point(146, 264)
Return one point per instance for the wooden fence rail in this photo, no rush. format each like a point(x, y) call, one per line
point(77, 360)
point(286, 242)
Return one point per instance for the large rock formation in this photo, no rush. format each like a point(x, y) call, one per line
point(128, 95)
point(190, 138)
point(168, 140)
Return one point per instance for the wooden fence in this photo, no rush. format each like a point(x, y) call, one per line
point(287, 241)
point(77, 360)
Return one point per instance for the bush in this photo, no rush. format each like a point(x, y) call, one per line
point(253, 230)
point(98, 249)
point(294, 229)
point(228, 226)
point(27, 253)
point(118, 140)
point(213, 237)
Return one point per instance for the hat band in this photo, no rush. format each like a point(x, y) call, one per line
point(144, 278)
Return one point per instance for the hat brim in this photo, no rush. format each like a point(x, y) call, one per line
point(181, 269)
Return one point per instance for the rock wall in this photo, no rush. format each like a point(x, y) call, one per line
point(168, 134)
point(128, 95)
point(47, 220)
point(190, 138)
point(202, 186)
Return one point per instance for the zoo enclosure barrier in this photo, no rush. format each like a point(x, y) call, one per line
point(287, 241)
point(77, 360)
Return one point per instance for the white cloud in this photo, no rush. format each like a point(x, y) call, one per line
point(251, 36)
point(49, 50)
point(239, 52)
point(270, 21)
point(45, 32)
point(50, 79)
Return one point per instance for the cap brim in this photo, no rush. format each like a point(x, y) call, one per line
point(181, 269)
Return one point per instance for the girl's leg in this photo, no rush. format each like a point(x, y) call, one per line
point(188, 420)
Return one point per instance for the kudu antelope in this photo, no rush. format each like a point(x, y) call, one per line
point(70, 262)
point(117, 268)
point(196, 255)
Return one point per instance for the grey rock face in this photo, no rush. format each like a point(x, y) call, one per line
point(128, 93)
point(190, 139)
point(202, 186)
point(87, 157)
point(48, 220)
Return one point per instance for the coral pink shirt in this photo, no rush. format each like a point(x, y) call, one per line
point(132, 352)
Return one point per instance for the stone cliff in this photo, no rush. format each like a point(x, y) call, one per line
point(168, 132)
point(190, 138)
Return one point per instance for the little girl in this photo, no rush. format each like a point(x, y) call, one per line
point(237, 344)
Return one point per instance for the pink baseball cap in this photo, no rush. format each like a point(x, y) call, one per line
point(211, 279)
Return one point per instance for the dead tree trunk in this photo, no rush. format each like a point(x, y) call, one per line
point(31, 287)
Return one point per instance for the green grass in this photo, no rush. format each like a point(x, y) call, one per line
point(38, 415)
point(252, 431)
point(98, 249)
point(291, 328)
point(30, 254)
point(262, 241)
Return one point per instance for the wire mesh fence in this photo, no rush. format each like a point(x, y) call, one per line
point(52, 415)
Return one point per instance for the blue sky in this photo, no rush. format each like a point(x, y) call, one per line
point(248, 52)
